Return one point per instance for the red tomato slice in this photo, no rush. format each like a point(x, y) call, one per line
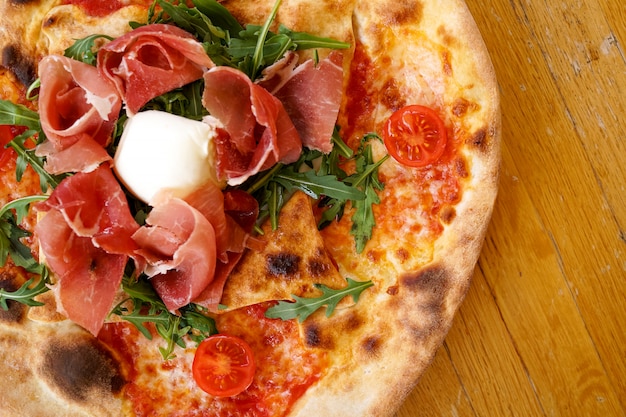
point(415, 136)
point(224, 365)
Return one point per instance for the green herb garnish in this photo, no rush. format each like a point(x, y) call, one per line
point(84, 50)
point(26, 293)
point(144, 305)
point(11, 234)
point(20, 115)
point(301, 307)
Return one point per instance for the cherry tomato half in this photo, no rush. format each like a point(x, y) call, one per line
point(415, 136)
point(223, 365)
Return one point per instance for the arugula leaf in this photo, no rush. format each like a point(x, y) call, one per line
point(219, 15)
point(26, 294)
point(366, 178)
point(273, 188)
point(185, 101)
point(84, 49)
point(11, 234)
point(145, 306)
point(20, 115)
point(301, 308)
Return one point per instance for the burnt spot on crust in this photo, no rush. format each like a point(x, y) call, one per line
point(448, 214)
point(429, 287)
point(371, 345)
point(17, 311)
point(314, 336)
point(19, 65)
point(353, 322)
point(393, 290)
point(80, 368)
point(480, 140)
point(22, 2)
point(432, 280)
point(402, 12)
point(282, 264)
point(462, 107)
point(50, 21)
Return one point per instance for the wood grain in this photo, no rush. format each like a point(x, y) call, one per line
point(542, 329)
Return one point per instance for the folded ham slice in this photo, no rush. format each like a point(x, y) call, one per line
point(78, 111)
point(311, 95)
point(152, 60)
point(259, 130)
point(178, 243)
point(85, 238)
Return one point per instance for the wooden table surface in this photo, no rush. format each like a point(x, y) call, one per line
point(542, 331)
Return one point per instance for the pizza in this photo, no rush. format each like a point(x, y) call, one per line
point(236, 208)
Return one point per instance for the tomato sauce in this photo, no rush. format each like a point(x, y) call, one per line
point(285, 369)
point(100, 8)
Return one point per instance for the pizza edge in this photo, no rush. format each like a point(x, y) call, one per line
point(375, 371)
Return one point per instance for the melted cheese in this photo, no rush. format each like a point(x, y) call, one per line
point(161, 151)
point(285, 369)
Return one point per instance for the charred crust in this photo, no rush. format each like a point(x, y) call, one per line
point(282, 264)
point(77, 369)
point(371, 346)
point(22, 2)
point(433, 280)
point(353, 322)
point(462, 106)
point(314, 337)
point(393, 290)
point(480, 140)
point(317, 267)
point(403, 12)
point(448, 214)
point(22, 68)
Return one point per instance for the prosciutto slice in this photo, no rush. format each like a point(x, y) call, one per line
point(310, 94)
point(152, 60)
point(259, 130)
point(178, 243)
point(85, 237)
point(78, 111)
point(241, 211)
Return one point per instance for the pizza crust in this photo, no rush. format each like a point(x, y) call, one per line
point(380, 347)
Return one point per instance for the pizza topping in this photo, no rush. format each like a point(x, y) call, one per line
point(85, 237)
point(301, 308)
point(260, 132)
point(178, 243)
point(223, 365)
point(152, 60)
point(78, 111)
point(415, 136)
point(159, 150)
point(159, 66)
point(311, 95)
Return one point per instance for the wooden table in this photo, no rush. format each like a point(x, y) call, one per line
point(543, 328)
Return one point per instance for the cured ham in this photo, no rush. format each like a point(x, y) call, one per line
point(78, 111)
point(152, 60)
point(241, 211)
point(178, 243)
point(310, 94)
point(259, 130)
point(85, 238)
